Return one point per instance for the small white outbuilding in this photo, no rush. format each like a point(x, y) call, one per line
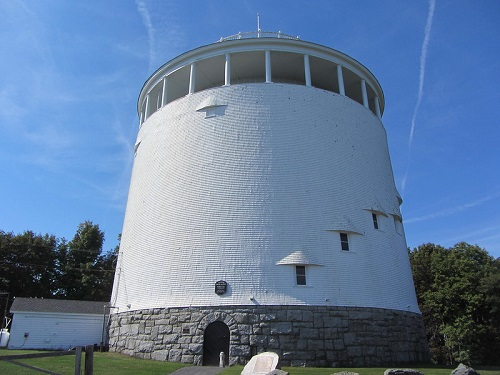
point(52, 324)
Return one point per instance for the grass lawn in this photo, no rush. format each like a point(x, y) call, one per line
point(104, 364)
point(113, 363)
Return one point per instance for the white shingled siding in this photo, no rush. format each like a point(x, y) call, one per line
point(54, 331)
point(280, 168)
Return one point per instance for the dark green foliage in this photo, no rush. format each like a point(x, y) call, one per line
point(458, 293)
point(35, 265)
point(81, 270)
point(27, 264)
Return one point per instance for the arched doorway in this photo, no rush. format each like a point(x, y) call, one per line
point(215, 340)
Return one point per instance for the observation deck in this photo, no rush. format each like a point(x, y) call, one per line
point(260, 57)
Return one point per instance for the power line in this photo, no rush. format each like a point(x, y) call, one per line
point(46, 266)
point(32, 245)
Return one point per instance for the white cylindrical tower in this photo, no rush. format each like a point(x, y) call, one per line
point(262, 191)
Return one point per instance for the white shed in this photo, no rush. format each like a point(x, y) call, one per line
point(52, 324)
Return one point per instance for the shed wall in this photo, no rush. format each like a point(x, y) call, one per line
point(54, 331)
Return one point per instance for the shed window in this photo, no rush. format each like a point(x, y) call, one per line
point(300, 273)
point(344, 241)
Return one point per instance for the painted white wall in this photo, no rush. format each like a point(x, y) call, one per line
point(54, 331)
point(280, 168)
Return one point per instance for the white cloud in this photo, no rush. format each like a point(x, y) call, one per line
point(487, 238)
point(166, 36)
point(423, 60)
point(11, 109)
point(146, 20)
point(453, 210)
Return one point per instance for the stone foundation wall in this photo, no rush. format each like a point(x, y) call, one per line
point(316, 336)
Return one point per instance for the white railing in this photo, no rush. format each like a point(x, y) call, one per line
point(258, 34)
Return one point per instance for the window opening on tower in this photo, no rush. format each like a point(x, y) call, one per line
point(344, 241)
point(259, 65)
point(375, 220)
point(300, 273)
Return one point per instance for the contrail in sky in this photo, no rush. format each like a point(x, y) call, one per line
point(455, 209)
point(423, 58)
point(146, 19)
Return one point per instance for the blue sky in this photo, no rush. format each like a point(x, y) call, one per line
point(71, 72)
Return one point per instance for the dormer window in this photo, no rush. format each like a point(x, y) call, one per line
point(375, 220)
point(300, 273)
point(344, 241)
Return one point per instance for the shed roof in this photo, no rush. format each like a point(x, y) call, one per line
point(57, 306)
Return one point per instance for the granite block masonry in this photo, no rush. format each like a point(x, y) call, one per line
point(316, 336)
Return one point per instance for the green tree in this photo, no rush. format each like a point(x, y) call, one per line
point(422, 260)
point(105, 265)
point(35, 265)
point(490, 288)
point(80, 264)
point(451, 286)
point(27, 265)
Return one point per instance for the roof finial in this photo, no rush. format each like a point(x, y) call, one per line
point(258, 23)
